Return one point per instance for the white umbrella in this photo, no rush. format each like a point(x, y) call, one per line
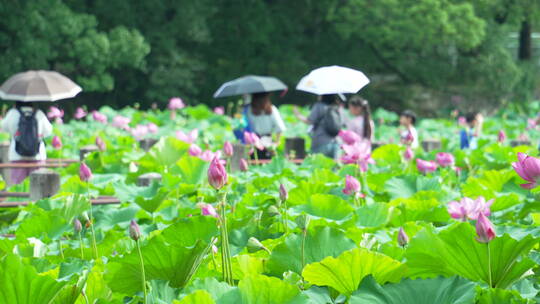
point(333, 80)
point(38, 86)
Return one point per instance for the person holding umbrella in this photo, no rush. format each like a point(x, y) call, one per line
point(26, 124)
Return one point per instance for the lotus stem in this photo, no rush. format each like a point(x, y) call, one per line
point(81, 246)
point(94, 243)
point(226, 264)
point(285, 226)
point(60, 248)
point(143, 274)
point(489, 266)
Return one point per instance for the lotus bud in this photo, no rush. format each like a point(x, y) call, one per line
point(254, 245)
point(57, 142)
point(134, 230)
point(85, 173)
point(195, 150)
point(217, 175)
point(208, 210)
point(77, 226)
point(408, 154)
point(101, 144)
point(501, 137)
point(484, 229)
point(403, 238)
point(528, 168)
point(272, 211)
point(352, 185)
point(283, 194)
point(303, 221)
point(228, 149)
point(244, 166)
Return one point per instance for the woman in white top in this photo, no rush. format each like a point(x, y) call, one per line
point(408, 136)
point(264, 120)
point(10, 124)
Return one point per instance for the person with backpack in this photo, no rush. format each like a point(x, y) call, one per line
point(27, 126)
point(326, 119)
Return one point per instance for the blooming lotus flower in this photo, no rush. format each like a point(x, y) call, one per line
point(176, 103)
point(134, 230)
point(102, 146)
point(85, 173)
point(501, 137)
point(349, 137)
point(528, 168)
point(217, 175)
point(228, 149)
point(484, 229)
point(77, 226)
point(408, 154)
point(352, 185)
point(80, 113)
point(283, 194)
point(189, 138)
point(57, 142)
point(194, 150)
point(445, 159)
point(403, 238)
point(207, 155)
point(139, 132)
point(253, 139)
point(244, 166)
point(468, 208)
point(121, 122)
point(219, 110)
point(152, 128)
point(425, 166)
point(55, 112)
point(208, 210)
point(359, 154)
point(99, 117)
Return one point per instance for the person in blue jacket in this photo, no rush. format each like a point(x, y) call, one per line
point(469, 135)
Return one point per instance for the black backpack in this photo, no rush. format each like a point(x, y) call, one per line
point(27, 138)
point(332, 121)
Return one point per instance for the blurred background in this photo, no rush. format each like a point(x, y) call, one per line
point(429, 55)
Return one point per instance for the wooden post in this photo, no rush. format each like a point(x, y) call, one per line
point(239, 152)
point(43, 183)
point(431, 144)
point(147, 143)
point(147, 179)
point(295, 148)
point(86, 150)
point(4, 158)
point(515, 143)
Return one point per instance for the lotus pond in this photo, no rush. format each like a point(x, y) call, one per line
point(397, 234)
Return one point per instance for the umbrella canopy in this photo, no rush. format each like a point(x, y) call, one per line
point(250, 84)
point(333, 80)
point(38, 86)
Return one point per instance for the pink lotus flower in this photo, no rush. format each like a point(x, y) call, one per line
point(425, 166)
point(189, 138)
point(244, 166)
point(528, 168)
point(219, 110)
point(484, 229)
point(152, 128)
point(134, 230)
point(139, 132)
point(208, 210)
point(403, 238)
point(77, 225)
point(207, 155)
point(445, 159)
point(102, 146)
point(468, 208)
point(283, 194)
point(121, 122)
point(349, 137)
point(531, 123)
point(85, 174)
point(99, 117)
point(253, 139)
point(217, 175)
point(408, 154)
point(55, 112)
point(176, 103)
point(359, 154)
point(501, 137)
point(352, 185)
point(80, 113)
point(57, 142)
point(462, 121)
point(194, 150)
point(523, 137)
point(228, 149)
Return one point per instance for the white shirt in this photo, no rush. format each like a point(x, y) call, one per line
point(10, 124)
point(266, 124)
